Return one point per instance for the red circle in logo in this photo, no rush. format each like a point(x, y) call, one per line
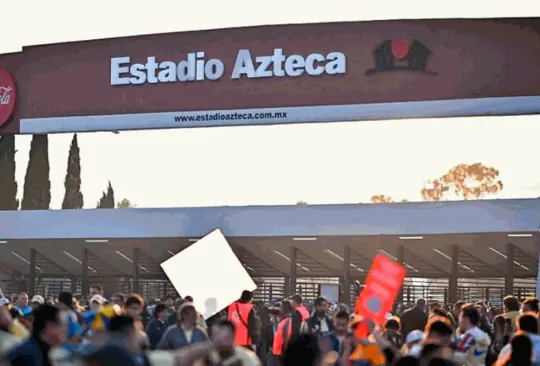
point(400, 49)
point(8, 94)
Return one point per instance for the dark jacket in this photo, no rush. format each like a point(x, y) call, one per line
point(174, 338)
point(413, 319)
point(155, 331)
point(29, 353)
point(296, 323)
point(313, 324)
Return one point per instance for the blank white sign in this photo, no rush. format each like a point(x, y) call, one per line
point(210, 272)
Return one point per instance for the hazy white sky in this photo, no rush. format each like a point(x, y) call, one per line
point(330, 163)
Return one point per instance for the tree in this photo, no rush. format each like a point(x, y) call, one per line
point(468, 181)
point(125, 203)
point(73, 197)
point(107, 198)
point(8, 183)
point(301, 203)
point(37, 186)
point(381, 198)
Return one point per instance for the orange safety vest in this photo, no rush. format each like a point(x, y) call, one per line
point(282, 336)
point(238, 314)
point(304, 312)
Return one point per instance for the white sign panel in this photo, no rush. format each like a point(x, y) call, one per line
point(210, 272)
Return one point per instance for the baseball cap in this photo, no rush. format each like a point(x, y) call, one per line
point(99, 299)
point(38, 299)
point(414, 336)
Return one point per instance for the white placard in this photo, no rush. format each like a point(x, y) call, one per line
point(210, 272)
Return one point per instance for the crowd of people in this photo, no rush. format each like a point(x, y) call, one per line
point(127, 330)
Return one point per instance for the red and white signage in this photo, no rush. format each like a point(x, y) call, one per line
point(8, 94)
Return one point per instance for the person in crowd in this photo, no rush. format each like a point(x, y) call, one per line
point(200, 319)
point(157, 326)
point(530, 305)
point(7, 339)
point(118, 299)
point(97, 302)
point(334, 341)
point(392, 332)
point(48, 330)
point(300, 313)
point(500, 338)
point(456, 310)
point(169, 303)
point(242, 315)
point(134, 308)
point(96, 290)
point(283, 333)
point(527, 324)
point(303, 350)
point(413, 338)
point(37, 301)
point(229, 353)
point(370, 350)
point(172, 318)
point(320, 322)
point(473, 344)
point(521, 354)
point(485, 325)
point(22, 304)
point(414, 319)
point(185, 332)
point(511, 310)
point(438, 331)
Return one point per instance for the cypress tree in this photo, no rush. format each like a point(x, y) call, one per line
point(73, 198)
point(107, 198)
point(8, 184)
point(37, 186)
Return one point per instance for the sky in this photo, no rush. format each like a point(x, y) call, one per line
point(324, 163)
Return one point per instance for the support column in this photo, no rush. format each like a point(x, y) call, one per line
point(401, 260)
point(454, 275)
point(136, 267)
point(32, 273)
point(73, 285)
point(292, 279)
point(509, 278)
point(346, 284)
point(85, 286)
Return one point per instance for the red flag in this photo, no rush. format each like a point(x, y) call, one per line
point(382, 286)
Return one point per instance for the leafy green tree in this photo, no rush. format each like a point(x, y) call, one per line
point(8, 183)
point(37, 186)
point(125, 203)
point(73, 197)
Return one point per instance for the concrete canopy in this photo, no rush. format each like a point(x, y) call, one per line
point(262, 238)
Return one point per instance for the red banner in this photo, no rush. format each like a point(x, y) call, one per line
point(382, 286)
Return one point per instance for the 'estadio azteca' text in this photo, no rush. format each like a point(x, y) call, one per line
point(196, 68)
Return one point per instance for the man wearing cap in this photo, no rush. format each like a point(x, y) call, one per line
point(37, 300)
